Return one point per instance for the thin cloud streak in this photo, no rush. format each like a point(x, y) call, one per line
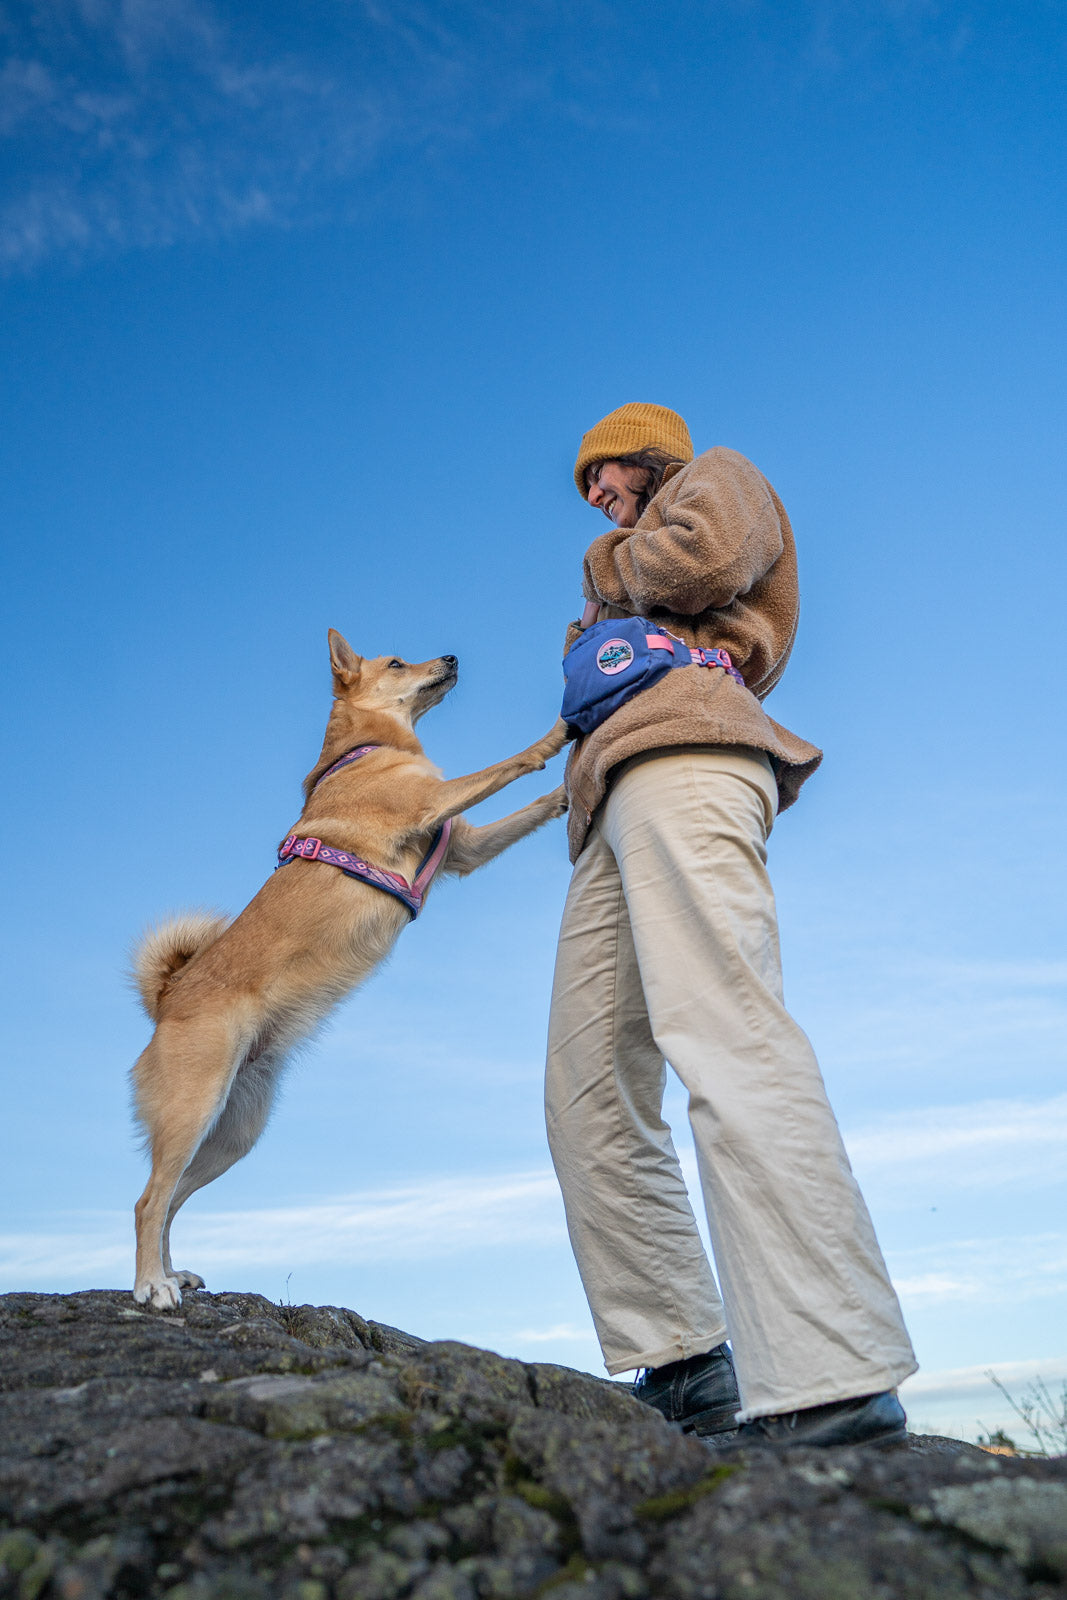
point(991, 1143)
point(987, 1013)
point(1036, 974)
point(560, 1333)
point(444, 1217)
point(989, 1271)
point(962, 1402)
point(139, 123)
point(956, 1383)
point(135, 123)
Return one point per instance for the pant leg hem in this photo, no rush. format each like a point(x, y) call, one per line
point(696, 1344)
point(875, 1383)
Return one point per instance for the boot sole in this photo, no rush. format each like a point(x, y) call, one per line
point(890, 1436)
point(707, 1423)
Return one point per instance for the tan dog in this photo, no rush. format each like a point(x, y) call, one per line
point(231, 1000)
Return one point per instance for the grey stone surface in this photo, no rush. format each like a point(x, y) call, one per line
point(241, 1450)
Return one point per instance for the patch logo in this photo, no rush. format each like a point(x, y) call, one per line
point(614, 655)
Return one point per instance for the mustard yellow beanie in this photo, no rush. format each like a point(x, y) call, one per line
point(633, 427)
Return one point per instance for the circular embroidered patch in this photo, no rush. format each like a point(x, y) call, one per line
point(614, 656)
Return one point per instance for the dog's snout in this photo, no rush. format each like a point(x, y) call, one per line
point(450, 661)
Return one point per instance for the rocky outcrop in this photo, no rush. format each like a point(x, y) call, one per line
point(242, 1450)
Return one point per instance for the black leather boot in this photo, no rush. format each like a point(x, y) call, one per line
point(868, 1419)
point(699, 1394)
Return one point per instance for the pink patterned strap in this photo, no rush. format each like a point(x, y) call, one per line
point(699, 656)
point(315, 850)
point(438, 850)
point(412, 894)
point(346, 761)
point(716, 658)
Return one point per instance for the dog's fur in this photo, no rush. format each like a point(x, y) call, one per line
point(232, 999)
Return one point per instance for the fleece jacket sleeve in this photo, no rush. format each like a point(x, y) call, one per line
point(720, 534)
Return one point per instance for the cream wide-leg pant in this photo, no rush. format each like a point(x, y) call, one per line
point(669, 949)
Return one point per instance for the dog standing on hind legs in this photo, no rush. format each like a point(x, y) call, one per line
point(231, 1000)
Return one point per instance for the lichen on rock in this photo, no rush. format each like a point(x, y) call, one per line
point(241, 1450)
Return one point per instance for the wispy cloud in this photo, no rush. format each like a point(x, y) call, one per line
point(988, 1144)
point(132, 122)
point(442, 1217)
point(447, 1218)
point(135, 123)
point(138, 122)
point(1028, 975)
point(963, 1402)
point(77, 1251)
point(935, 1017)
point(559, 1333)
point(842, 33)
point(988, 1271)
point(972, 1383)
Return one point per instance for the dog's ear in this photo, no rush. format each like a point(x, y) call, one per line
point(343, 659)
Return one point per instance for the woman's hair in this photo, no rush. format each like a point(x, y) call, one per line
point(653, 461)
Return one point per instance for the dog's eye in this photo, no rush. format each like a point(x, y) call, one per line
point(395, 663)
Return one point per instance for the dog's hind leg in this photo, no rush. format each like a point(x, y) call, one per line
point(242, 1120)
point(181, 1083)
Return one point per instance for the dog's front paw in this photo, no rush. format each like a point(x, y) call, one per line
point(555, 804)
point(189, 1280)
point(162, 1294)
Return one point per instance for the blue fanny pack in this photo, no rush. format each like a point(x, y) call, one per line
point(617, 658)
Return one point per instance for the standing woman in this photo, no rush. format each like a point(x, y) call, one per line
point(669, 952)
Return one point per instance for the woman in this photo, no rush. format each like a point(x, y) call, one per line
point(669, 951)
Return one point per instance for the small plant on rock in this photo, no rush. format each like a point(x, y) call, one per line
point(1042, 1413)
point(998, 1442)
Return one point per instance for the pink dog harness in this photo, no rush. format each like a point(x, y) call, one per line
point(412, 894)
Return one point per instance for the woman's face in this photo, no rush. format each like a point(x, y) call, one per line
point(614, 490)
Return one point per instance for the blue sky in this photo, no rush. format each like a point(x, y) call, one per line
point(304, 312)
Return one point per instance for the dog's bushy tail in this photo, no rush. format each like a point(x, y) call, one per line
point(166, 949)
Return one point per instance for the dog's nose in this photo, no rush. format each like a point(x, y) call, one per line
point(450, 661)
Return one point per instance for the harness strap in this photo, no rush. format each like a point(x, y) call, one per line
point(432, 860)
point(298, 847)
point(346, 761)
point(698, 656)
point(412, 894)
point(715, 658)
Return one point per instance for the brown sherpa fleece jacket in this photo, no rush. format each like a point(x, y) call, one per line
point(712, 559)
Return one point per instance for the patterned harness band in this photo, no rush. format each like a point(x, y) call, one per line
point(412, 894)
